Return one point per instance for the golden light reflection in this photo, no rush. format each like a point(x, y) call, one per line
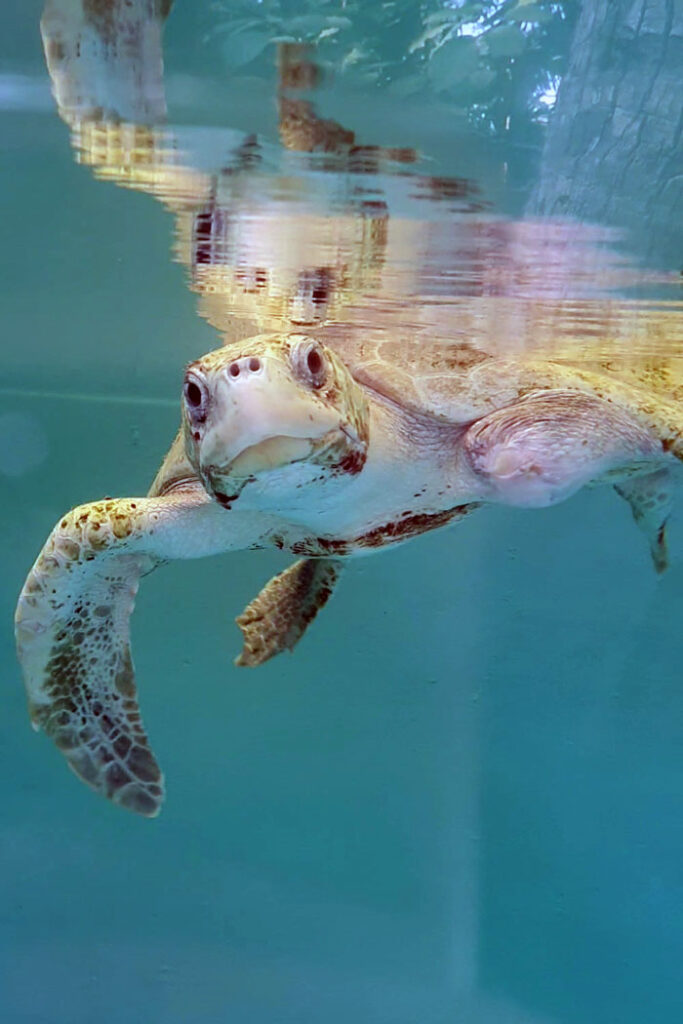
point(348, 239)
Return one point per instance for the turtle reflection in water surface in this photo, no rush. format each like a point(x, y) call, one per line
point(326, 454)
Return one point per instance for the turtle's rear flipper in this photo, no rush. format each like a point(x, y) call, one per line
point(651, 499)
point(278, 617)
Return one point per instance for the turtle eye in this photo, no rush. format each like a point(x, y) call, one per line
point(309, 362)
point(195, 398)
point(314, 362)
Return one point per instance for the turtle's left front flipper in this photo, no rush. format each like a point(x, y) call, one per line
point(72, 630)
point(280, 614)
point(546, 446)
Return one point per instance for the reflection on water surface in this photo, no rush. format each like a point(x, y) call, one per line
point(460, 799)
point(350, 238)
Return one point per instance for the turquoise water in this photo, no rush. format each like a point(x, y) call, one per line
point(460, 799)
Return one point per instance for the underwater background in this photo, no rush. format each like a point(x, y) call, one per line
point(461, 798)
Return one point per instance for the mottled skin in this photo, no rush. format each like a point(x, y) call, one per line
point(283, 444)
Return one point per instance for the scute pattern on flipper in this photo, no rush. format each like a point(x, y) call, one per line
point(72, 628)
point(279, 615)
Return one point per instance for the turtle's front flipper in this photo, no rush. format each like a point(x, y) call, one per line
point(72, 629)
point(278, 617)
point(549, 444)
point(650, 497)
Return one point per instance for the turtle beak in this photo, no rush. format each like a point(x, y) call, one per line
point(261, 419)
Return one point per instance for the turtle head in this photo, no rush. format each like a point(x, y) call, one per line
point(274, 411)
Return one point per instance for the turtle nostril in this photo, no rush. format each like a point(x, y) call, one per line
point(234, 370)
point(254, 364)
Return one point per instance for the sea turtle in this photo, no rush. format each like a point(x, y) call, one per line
point(412, 406)
point(325, 453)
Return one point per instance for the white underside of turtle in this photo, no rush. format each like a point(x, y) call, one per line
point(282, 444)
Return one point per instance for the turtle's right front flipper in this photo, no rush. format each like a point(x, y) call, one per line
point(73, 639)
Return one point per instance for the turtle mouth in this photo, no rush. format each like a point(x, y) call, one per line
point(270, 453)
